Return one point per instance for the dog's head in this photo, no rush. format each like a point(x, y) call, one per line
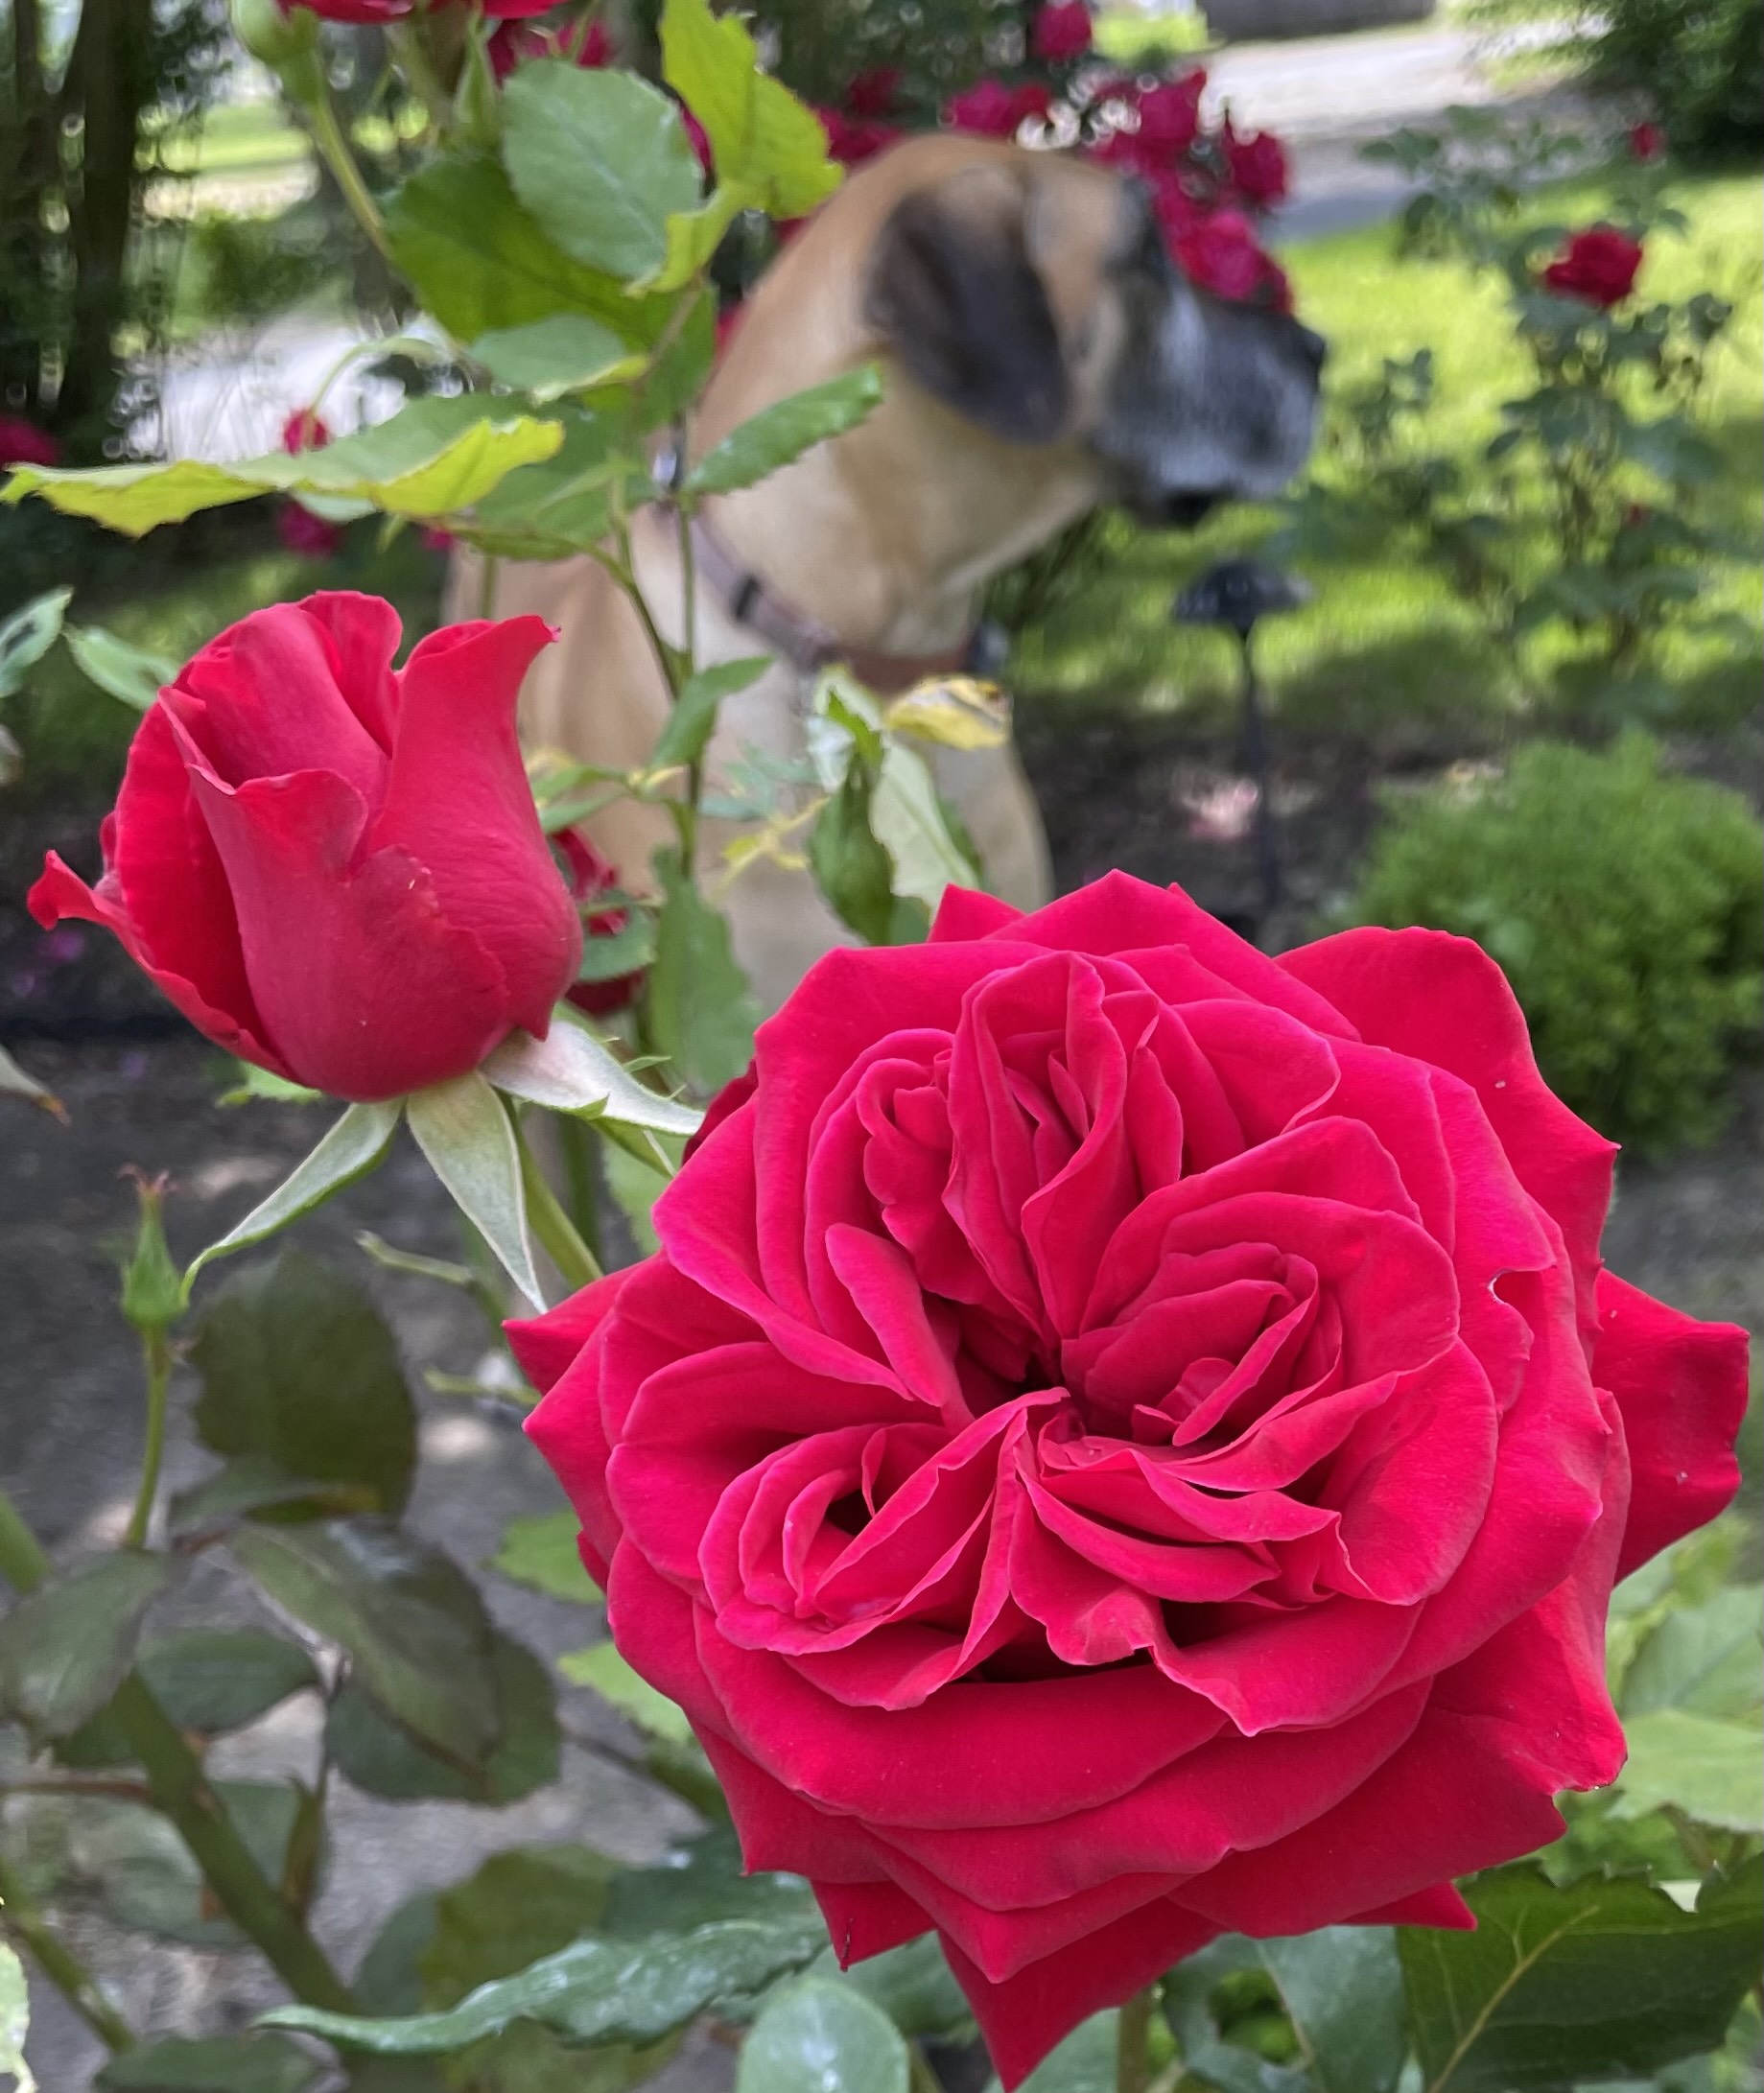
point(1033, 295)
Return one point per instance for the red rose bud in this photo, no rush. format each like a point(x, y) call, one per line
point(1222, 254)
point(1597, 266)
point(303, 430)
point(1258, 166)
point(1060, 31)
point(991, 109)
point(590, 877)
point(23, 444)
point(434, 539)
point(396, 10)
point(1126, 1439)
point(333, 868)
point(874, 91)
point(729, 318)
point(298, 530)
point(1648, 142)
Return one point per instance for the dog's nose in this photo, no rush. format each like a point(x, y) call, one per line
point(1186, 507)
point(1314, 349)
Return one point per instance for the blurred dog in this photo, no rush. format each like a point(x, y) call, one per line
point(1042, 355)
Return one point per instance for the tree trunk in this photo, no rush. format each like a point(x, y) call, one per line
point(106, 88)
point(27, 170)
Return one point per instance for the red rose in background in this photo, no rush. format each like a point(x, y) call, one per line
point(23, 444)
point(332, 868)
point(395, 10)
point(513, 43)
point(874, 91)
point(1597, 266)
point(1223, 255)
point(591, 877)
point(1648, 142)
point(1258, 165)
point(1125, 1439)
point(1170, 116)
point(993, 111)
point(303, 430)
point(1060, 31)
point(298, 530)
point(851, 141)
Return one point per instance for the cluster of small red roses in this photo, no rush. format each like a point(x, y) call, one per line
point(1208, 186)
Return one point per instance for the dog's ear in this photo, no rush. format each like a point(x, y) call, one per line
point(953, 292)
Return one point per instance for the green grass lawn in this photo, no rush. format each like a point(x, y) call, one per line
point(236, 137)
point(1385, 643)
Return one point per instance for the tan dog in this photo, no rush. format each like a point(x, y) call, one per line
point(1041, 355)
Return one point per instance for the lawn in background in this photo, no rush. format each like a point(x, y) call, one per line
point(1384, 644)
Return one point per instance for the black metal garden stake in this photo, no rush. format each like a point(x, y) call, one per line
point(1235, 593)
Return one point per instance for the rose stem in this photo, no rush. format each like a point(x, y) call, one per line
point(156, 1356)
point(58, 1962)
point(575, 1262)
point(182, 1793)
point(1131, 2065)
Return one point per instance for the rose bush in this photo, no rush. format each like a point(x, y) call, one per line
point(334, 868)
point(1125, 1439)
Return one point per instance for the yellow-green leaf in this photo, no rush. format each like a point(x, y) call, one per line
point(760, 135)
point(433, 457)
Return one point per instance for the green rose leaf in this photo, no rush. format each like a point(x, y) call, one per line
point(66, 1647)
point(411, 1620)
point(147, 1879)
point(853, 869)
point(761, 138)
point(1342, 1989)
point(548, 358)
point(481, 261)
point(213, 1680)
point(128, 673)
point(1706, 1658)
point(519, 1907)
point(570, 1070)
point(299, 1371)
point(601, 159)
point(591, 1991)
point(701, 1012)
point(693, 718)
point(383, 1758)
point(609, 1675)
point(224, 2063)
point(1600, 1979)
point(464, 1130)
point(539, 1551)
point(818, 2034)
point(1711, 1768)
point(15, 2020)
point(782, 432)
point(432, 456)
point(912, 1983)
point(28, 635)
point(701, 1882)
point(567, 503)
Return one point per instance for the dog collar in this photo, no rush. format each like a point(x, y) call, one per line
point(804, 642)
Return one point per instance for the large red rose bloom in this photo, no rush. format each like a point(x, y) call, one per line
point(332, 868)
point(1126, 1439)
point(1598, 267)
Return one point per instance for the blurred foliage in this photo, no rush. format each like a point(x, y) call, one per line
point(91, 97)
point(1623, 902)
point(1697, 66)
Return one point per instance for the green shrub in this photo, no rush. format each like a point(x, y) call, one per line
point(1624, 904)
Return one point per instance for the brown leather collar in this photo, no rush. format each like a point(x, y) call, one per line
point(803, 641)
